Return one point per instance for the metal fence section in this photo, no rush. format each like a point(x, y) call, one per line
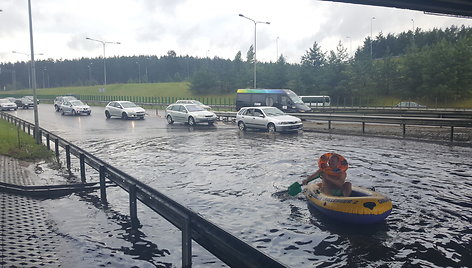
point(364, 119)
point(223, 245)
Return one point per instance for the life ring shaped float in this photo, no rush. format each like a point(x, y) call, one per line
point(332, 171)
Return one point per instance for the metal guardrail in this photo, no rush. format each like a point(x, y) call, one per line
point(364, 119)
point(223, 245)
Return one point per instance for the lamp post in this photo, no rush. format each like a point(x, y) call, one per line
point(255, 43)
point(104, 58)
point(89, 66)
point(371, 20)
point(277, 48)
point(29, 65)
point(139, 72)
point(350, 43)
point(33, 78)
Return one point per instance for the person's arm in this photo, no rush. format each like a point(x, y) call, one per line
point(311, 177)
point(338, 181)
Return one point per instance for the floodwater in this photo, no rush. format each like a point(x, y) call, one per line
point(236, 180)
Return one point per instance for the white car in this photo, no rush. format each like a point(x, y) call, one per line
point(206, 107)
point(6, 104)
point(75, 107)
point(124, 109)
point(189, 113)
point(270, 118)
point(61, 99)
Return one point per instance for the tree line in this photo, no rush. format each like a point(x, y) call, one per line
point(433, 64)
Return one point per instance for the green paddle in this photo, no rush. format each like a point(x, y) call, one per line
point(296, 188)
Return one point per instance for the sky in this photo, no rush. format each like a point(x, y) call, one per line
point(203, 28)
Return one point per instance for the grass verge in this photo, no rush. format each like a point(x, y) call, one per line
point(17, 144)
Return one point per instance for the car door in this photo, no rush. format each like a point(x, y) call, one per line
point(65, 107)
point(259, 119)
point(248, 117)
point(182, 114)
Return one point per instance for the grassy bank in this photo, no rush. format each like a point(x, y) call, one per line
point(15, 143)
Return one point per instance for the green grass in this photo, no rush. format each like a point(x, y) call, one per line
point(17, 144)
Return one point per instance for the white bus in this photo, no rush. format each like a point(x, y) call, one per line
point(314, 101)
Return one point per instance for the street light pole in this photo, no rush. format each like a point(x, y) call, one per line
point(33, 77)
point(255, 43)
point(139, 72)
point(104, 58)
point(277, 48)
point(371, 20)
point(350, 47)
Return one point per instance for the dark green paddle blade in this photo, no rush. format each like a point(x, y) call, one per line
point(294, 189)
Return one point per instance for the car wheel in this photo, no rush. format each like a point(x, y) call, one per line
point(107, 114)
point(124, 115)
point(211, 123)
point(191, 121)
point(62, 112)
point(74, 113)
point(56, 107)
point(170, 121)
point(271, 128)
point(241, 125)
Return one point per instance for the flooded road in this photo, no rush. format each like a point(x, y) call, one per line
point(234, 179)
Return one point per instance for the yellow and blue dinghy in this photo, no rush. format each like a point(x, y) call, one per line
point(362, 207)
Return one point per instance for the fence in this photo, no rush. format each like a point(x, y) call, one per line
point(226, 247)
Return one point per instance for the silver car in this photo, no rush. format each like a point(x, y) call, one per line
point(124, 109)
point(75, 107)
point(6, 104)
point(189, 113)
point(61, 99)
point(270, 118)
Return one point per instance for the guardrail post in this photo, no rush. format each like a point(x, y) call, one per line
point(82, 167)
point(329, 124)
point(133, 206)
point(363, 127)
point(68, 156)
point(404, 130)
point(186, 245)
point(103, 191)
point(56, 147)
point(24, 126)
point(40, 133)
point(452, 133)
point(29, 129)
point(48, 144)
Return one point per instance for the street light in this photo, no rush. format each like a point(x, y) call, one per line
point(33, 77)
point(277, 48)
point(29, 67)
point(139, 72)
point(371, 20)
point(89, 66)
point(350, 43)
point(255, 42)
point(104, 58)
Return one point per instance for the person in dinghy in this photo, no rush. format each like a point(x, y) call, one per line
point(332, 171)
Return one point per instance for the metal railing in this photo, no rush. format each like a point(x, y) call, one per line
point(364, 119)
point(223, 245)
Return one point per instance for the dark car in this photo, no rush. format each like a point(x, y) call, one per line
point(24, 103)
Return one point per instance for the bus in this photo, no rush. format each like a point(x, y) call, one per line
point(284, 99)
point(316, 101)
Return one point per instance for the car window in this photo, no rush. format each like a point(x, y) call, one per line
point(257, 112)
point(128, 104)
point(250, 112)
point(182, 109)
point(273, 112)
point(194, 108)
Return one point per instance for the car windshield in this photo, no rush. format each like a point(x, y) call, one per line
point(70, 98)
point(76, 102)
point(4, 101)
point(197, 102)
point(128, 104)
point(273, 111)
point(194, 108)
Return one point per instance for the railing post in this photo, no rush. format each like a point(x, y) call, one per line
point(329, 124)
point(452, 133)
point(186, 244)
point(363, 127)
point(82, 167)
point(133, 206)
point(404, 130)
point(29, 129)
point(48, 144)
point(68, 156)
point(103, 191)
point(56, 146)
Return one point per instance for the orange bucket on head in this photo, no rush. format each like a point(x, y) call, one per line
point(323, 164)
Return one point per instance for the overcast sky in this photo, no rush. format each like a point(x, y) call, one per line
point(198, 28)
